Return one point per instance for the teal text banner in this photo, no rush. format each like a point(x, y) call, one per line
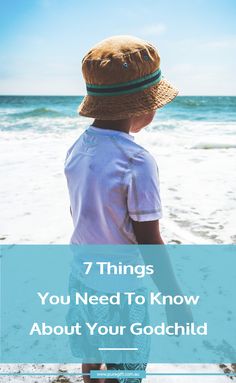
point(118, 304)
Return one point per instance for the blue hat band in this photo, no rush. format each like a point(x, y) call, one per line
point(125, 87)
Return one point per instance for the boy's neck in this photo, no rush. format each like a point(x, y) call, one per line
point(120, 125)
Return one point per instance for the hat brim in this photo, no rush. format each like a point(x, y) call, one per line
point(128, 105)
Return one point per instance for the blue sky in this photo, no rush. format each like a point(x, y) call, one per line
point(42, 42)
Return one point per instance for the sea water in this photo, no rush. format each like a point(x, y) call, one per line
point(193, 140)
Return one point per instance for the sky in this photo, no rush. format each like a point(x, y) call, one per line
point(42, 42)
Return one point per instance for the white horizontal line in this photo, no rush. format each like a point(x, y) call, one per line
point(117, 349)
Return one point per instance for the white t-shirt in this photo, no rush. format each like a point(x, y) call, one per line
point(111, 179)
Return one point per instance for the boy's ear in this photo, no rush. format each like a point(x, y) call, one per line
point(140, 122)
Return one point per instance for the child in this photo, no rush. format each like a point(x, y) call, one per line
point(113, 182)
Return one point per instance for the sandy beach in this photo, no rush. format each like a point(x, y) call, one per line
point(61, 372)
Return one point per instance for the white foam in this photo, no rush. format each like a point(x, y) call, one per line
point(214, 145)
point(197, 187)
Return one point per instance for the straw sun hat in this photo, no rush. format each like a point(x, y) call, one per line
point(123, 78)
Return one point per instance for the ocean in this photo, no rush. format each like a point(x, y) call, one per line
point(193, 140)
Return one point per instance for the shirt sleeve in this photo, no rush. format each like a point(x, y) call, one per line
point(144, 202)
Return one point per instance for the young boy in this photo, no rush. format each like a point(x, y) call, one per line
point(113, 182)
